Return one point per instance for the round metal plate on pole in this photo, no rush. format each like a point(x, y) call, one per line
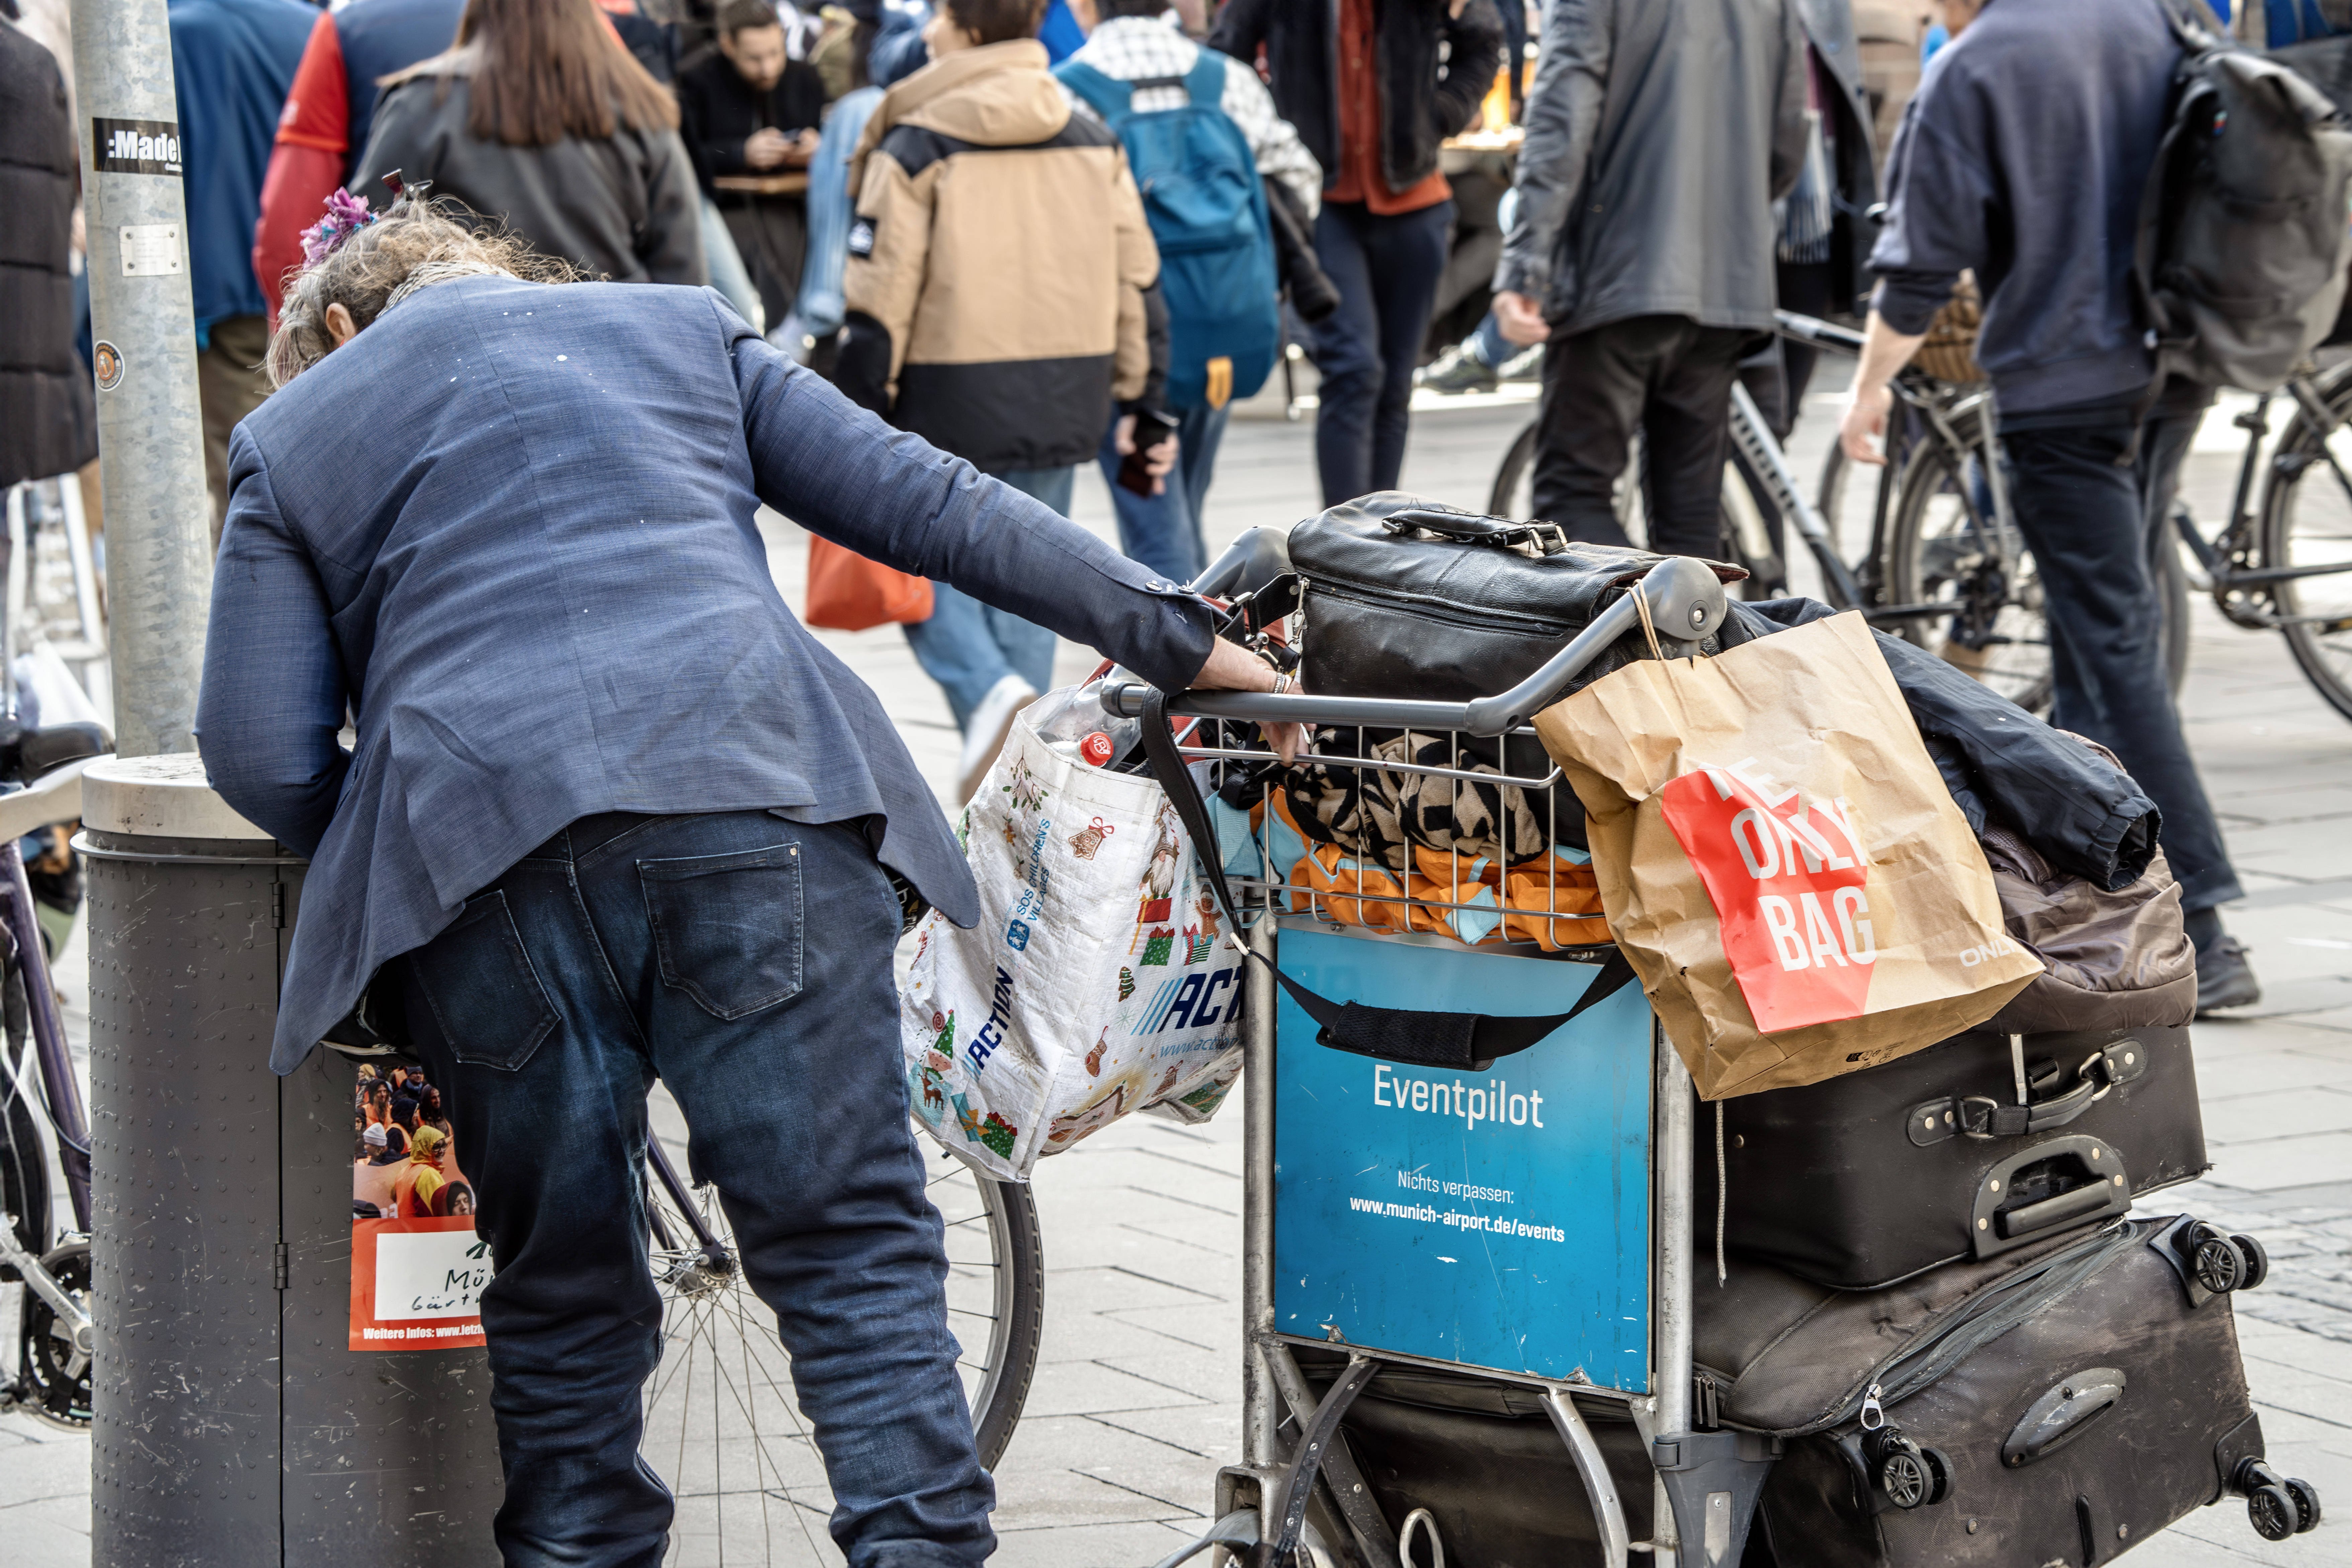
point(231, 1421)
point(150, 419)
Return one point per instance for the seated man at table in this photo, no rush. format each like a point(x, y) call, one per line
point(750, 114)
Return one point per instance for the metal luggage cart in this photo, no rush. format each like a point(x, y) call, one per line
point(1529, 1224)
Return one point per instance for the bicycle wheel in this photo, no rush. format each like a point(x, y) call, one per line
point(1941, 550)
point(722, 1427)
point(1746, 515)
point(1513, 494)
point(2172, 598)
point(2306, 523)
point(24, 1161)
point(1848, 496)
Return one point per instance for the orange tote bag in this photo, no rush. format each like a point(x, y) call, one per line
point(848, 593)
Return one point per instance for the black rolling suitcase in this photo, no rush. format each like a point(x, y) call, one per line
point(2058, 1404)
point(1970, 1148)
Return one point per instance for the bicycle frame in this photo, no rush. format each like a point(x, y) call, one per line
point(61, 1094)
point(1753, 441)
point(2240, 589)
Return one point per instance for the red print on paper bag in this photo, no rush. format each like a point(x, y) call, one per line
point(1787, 877)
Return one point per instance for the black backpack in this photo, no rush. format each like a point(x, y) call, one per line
point(2238, 267)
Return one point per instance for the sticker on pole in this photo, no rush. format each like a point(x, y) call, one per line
point(150, 250)
point(106, 360)
point(1787, 875)
point(417, 1269)
point(135, 146)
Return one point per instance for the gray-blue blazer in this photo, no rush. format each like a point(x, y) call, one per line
point(509, 526)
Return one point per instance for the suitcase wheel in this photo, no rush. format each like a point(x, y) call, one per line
point(2280, 1506)
point(1940, 1471)
point(1911, 1476)
point(2273, 1512)
point(2258, 1262)
point(2217, 1261)
point(1905, 1480)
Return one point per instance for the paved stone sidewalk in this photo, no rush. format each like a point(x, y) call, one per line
point(1136, 1401)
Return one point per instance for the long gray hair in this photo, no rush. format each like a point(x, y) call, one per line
point(413, 245)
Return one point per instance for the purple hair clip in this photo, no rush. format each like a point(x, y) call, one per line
point(346, 216)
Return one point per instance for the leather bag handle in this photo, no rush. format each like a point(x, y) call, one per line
point(1469, 528)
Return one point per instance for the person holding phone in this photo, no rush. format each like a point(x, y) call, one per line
point(749, 117)
point(1002, 294)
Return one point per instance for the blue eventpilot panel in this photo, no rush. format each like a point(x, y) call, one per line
point(1498, 1219)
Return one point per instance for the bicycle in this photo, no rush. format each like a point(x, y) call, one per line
point(1944, 567)
point(2268, 568)
point(40, 1101)
point(723, 1385)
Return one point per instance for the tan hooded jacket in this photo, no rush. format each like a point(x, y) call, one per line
point(1002, 284)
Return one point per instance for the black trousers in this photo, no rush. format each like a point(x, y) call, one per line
point(1669, 377)
point(2088, 522)
point(771, 233)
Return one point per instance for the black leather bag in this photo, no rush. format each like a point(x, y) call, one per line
point(1404, 597)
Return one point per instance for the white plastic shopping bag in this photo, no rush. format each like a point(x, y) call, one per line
point(1098, 981)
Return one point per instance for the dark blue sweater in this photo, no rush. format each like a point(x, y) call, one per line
point(232, 62)
point(2023, 155)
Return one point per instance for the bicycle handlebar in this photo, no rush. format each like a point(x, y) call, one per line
point(1814, 330)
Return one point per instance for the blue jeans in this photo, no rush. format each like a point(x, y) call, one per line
point(1386, 269)
point(1163, 531)
point(1487, 344)
point(728, 273)
point(968, 646)
point(821, 306)
point(745, 962)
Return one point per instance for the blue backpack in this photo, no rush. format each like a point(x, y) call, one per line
point(1207, 211)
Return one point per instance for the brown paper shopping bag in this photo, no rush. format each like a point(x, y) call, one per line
point(1780, 861)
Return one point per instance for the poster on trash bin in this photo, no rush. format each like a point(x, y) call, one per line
point(417, 1267)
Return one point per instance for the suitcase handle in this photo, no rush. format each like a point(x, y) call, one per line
point(1982, 1116)
point(1994, 1230)
point(2062, 1414)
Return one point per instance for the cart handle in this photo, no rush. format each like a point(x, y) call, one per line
point(1686, 605)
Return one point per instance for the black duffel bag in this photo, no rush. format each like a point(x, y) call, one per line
point(1408, 598)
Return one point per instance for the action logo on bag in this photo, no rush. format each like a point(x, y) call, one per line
point(1788, 877)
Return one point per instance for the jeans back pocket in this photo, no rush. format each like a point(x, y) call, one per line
point(485, 995)
point(727, 928)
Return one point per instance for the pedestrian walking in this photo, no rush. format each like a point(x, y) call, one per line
point(615, 814)
point(899, 48)
point(233, 63)
point(2025, 155)
point(1003, 291)
point(1371, 103)
point(820, 308)
point(1659, 134)
point(1821, 262)
point(48, 421)
point(538, 118)
point(750, 117)
point(1237, 140)
point(329, 113)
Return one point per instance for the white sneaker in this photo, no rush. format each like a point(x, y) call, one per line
point(792, 337)
point(992, 721)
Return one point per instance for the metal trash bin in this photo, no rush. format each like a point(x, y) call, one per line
point(231, 1422)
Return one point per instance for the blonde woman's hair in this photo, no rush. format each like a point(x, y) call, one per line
point(413, 245)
